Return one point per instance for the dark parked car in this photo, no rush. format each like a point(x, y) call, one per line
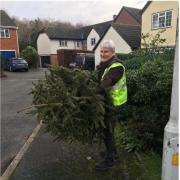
point(83, 61)
point(14, 64)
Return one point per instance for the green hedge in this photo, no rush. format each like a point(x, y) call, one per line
point(166, 54)
point(124, 57)
point(146, 113)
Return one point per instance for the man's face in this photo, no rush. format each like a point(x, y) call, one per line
point(105, 54)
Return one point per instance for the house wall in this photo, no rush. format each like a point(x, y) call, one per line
point(43, 44)
point(120, 44)
point(10, 43)
point(84, 44)
point(80, 44)
point(92, 34)
point(125, 18)
point(159, 6)
point(49, 47)
point(54, 44)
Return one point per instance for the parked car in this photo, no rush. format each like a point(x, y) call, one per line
point(15, 64)
point(83, 61)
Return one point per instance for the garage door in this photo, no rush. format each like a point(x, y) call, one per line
point(45, 60)
point(7, 54)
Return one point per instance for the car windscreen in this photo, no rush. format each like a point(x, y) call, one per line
point(19, 61)
point(89, 58)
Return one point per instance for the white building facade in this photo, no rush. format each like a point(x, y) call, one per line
point(120, 44)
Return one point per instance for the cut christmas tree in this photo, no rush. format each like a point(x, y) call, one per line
point(67, 102)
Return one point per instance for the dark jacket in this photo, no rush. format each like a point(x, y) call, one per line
point(111, 77)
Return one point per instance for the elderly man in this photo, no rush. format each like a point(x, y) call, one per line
point(112, 81)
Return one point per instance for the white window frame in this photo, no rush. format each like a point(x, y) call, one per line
point(63, 43)
point(158, 17)
point(5, 32)
point(93, 41)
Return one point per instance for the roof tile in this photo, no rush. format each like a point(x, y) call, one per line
point(5, 20)
point(77, 34)
point(131, 34)
point(136, 13)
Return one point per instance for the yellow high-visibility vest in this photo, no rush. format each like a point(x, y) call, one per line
point(118, 93)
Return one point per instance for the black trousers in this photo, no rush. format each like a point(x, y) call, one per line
point(109, 139)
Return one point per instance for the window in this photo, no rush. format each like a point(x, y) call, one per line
point(168, 18)
point(78, 44)
point(4, 33)
point(93, 41)
point(161, 20)
point(63, 43)
point(155, 21)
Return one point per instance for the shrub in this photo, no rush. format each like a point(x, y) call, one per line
point(31, 56)
point(153, 43)
point(135, 62)
point(167, 54)
point(149, 80)
point(124, 57)
point(147, 110)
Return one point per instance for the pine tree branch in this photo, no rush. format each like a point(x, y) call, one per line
point(37, 105)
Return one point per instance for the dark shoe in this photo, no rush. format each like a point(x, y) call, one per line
point(104, 165)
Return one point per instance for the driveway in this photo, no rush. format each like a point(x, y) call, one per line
point(16, 127)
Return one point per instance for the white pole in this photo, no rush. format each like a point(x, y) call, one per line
point(170, 162)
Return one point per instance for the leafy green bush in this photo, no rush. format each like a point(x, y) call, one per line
point(124, 57)
point(149, 80)
point(167, 54)
point(153, 42)
point(136, 62)
point(147, 110)
point(31, 56)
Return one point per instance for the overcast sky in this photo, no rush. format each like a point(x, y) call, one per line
point(85, 12)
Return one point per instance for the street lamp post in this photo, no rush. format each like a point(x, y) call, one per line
point(170, 160)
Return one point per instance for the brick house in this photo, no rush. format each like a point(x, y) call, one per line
point(9, 46)
point(128, 16)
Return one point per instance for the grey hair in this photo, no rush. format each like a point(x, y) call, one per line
point(109, 44)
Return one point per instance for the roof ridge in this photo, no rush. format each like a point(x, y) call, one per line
point(132, 8)
point(146, 5)
point(6, 20)
point(133, 13)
